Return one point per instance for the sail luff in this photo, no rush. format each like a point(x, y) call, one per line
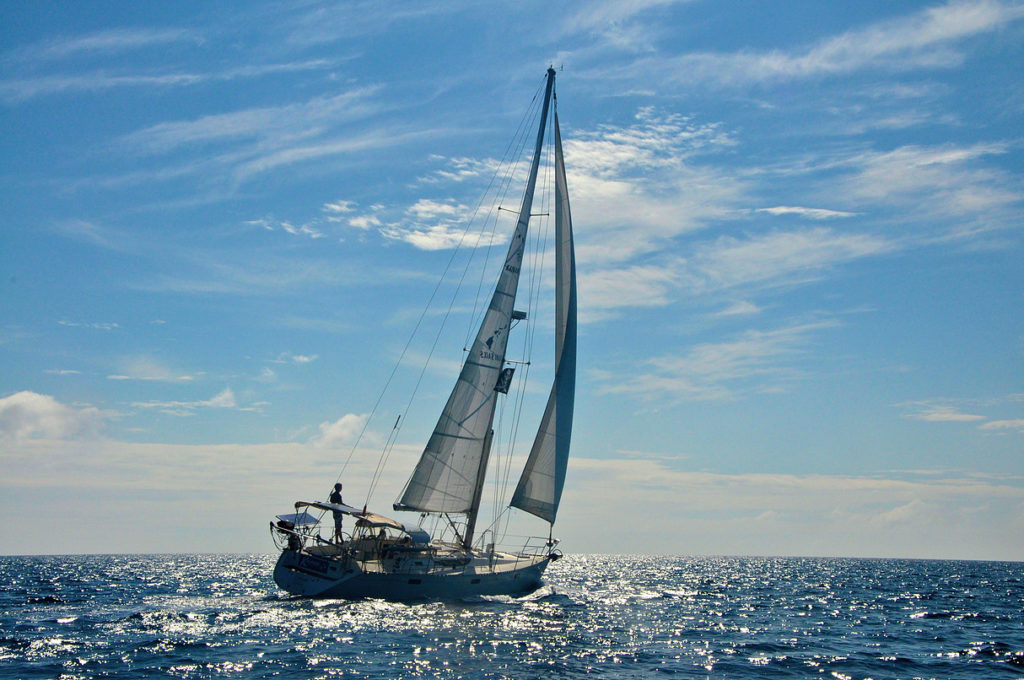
point(448, 476)
point(540, 487)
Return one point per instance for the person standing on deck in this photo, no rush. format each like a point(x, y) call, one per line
point(338, 514)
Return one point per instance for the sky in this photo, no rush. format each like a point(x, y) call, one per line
point(799, 245)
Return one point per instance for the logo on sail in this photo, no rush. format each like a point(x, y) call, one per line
point(489, 353)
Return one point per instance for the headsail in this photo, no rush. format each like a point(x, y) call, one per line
point(540, 487)
point(449, 475)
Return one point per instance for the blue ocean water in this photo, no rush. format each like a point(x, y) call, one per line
point(204, 616)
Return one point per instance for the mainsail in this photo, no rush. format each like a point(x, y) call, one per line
point(540, 487)
point(449, 475)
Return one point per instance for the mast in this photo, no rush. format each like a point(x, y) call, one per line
point(449, 476)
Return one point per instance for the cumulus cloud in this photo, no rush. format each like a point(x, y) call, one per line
point(339, 207)
point(341, 432)
point(26, 415)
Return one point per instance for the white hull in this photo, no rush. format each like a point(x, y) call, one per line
point(416, 576)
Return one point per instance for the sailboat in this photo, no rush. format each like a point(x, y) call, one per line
point(392, 559)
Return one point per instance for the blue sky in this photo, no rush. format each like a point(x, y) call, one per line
point(798, 239)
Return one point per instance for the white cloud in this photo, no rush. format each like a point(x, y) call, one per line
point(365, 222)
point(812, 213)
point(102, 42)
point(777, 258)
point(461, 169)
point(224, 399)
point(426, 209)
point(602, 17)
point(288, 152)
point(697, 512)
point(740, 308)
point(441, 236)
point(274, 127)
point(15, 91)
point(939, 514)
point(753, 361)
point(938, 413)
point(1017, 424)
point(937, 187)
point(25, 415)
point(97, 325)
point(148, 368)
point(923, 40)
point(607, 290)
point(341, 432)
point(289, 358)
point(636, 187)
point(339, 207)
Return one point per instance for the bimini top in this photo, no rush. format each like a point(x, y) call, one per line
point(337, 507)
point(373, 520)
point(370, 519)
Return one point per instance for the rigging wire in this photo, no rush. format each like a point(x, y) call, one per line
point(515, 148)
point(535, 285)
point(520, 140)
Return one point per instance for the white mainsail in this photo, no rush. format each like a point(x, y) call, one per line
point(449, 475)
point(540, 487)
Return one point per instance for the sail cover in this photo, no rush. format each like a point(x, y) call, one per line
point(448, 477)
point(540, 487)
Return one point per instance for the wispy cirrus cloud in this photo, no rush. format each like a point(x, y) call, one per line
point(811, 213)
point(223, 399)
point(273, 126)
point(926, 40)
point(638, 186)
point(1016, 424)
point(24, 88)
point(978, 411)
point(947, 182)
point(777, 258)
point(750, 362)
point(740, 308)
point(147, 368)
point(610, 290)
point(102, 42)
point(290, 358)
point(95, 325)
point(937, 412)
point(739, 265)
